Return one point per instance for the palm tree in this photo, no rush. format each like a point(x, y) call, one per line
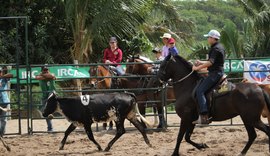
point(101, 19)
point(259, 13)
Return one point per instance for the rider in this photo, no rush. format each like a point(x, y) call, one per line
point(113, 56)
point(215, 62)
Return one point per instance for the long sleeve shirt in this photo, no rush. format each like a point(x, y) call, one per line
point(114, 56)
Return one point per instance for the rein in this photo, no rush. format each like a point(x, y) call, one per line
point(183, 78)
point(103, 79)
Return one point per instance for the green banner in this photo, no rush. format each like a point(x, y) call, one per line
point(234, 66)
point(61, 72)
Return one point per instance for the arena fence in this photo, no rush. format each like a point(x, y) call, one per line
point(168, 111)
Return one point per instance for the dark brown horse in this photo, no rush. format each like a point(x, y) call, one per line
point(246, 100)
point(140, 68)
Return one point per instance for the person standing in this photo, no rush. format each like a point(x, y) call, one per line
point(113, 56)
point(47, 85)
point(154, 70)
point(165, 48)
point(4, 99)
point(215, 63)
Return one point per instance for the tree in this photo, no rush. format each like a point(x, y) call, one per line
point(259, 17)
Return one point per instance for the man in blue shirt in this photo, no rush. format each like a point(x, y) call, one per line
point(4, 99)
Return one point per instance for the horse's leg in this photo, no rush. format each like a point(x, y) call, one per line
point(5, 144)
point(90, 135)
point(181, 133)
point(111, 125)
point(251, 137)
point(188, 135)
point(120, 130)
point(160, 115)
point(67, 132)
point(155, 115)
point(104, 125)
point(263, 127)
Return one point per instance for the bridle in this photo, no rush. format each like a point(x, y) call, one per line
point(96, 82)
point(180, 80)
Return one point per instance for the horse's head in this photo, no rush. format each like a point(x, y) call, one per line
point(175, 68)
point(96, 81)
point(93, 73)
point(51, 105)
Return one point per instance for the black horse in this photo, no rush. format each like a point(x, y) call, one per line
point(246, 100)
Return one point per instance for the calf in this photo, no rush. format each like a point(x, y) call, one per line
point(87, 109)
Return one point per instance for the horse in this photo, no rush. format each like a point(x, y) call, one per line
point(246, 100)
point(140, 68)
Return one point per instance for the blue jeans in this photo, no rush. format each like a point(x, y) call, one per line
point(206, 85)
point(3, 121)
point(120, 70)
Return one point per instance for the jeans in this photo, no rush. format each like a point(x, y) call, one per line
point(206, 85)
point(3, 121)
point(120, 70)
point(48, 121)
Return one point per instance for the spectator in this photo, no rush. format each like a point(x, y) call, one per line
point(154, 70)
point(4, 99)
point(172, 48)
point(165, 48)
point(113, 56)
point(46, 82)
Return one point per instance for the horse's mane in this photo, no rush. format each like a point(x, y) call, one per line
point(184, 61)
point(187, 64)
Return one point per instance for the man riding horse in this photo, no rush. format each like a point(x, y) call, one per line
point(216, 58)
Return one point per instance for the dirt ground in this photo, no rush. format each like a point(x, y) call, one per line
point(222, 141)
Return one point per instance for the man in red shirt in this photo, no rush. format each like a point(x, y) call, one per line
point(113, 56)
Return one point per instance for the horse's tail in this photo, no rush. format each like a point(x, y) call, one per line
point(267, 99)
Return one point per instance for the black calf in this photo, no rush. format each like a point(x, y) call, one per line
point(87, 109)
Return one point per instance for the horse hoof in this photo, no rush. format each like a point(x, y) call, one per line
point(110, 128)
point(107, 149)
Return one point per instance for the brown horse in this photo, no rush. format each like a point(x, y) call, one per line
point(140, 68)
point(246, 100)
